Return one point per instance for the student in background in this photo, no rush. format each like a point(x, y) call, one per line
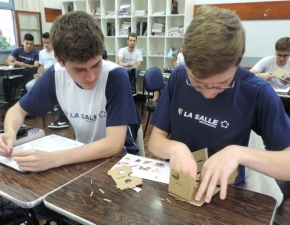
point(216, 106)
point(266, 66)
point(26, 57)
point(46, 59)
point(130, 56)
point(180, 58)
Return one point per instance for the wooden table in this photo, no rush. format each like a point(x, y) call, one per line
point(28, 189)
point(146, 207)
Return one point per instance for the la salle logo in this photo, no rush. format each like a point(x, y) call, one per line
point(180, 111)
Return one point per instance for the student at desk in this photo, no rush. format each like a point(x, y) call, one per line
point(130, 56)
point(216, 105)
point(94, 94)
point(26, 57)
point(266, 66)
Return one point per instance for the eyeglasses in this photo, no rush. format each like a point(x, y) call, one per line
point(282, 56)
point(205, 86)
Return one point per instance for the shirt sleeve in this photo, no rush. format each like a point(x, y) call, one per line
point(139, 56)
point(40, 59)
point(121, 52)
point(121, 109)
point(42, 96)
point(261, 65)
point(15, 53)
point(270, 120)
point(36, 55)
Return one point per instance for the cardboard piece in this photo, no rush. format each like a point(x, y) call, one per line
point(36, 76)
point(121, 176)
point(280, 73)
point(184, 187)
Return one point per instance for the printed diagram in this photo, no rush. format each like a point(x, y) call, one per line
point(150, 169)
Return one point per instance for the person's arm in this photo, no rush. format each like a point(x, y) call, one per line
point(22, 64)
point(9, 61)
point(13, 120)
point(41, 69)
point(179, 154)
point(35, 160)
point(222, 164)
point(120, 61)
point(138, 63)
point(265, 76)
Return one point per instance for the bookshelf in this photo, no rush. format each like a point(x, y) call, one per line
point(154, 48)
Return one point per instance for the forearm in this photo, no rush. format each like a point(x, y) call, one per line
point(9, 63)
point(271, 163)
point(161, 146)
point(28, 66)
point(103, 148)
point(14, 119)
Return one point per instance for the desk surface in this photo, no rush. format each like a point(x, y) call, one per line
point(28, 189)
point(7, 68)
point(145, 207)
point(283, 95)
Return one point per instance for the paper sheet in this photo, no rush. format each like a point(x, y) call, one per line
point(48, 143)
point(150, 169)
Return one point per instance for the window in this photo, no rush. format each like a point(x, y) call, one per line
point(7, 35)
point(7, 27)
point(28, 22)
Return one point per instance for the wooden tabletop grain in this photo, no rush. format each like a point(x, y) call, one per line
point(27, 189)
point(147, 207)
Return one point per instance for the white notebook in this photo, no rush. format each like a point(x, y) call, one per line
point(48, 143)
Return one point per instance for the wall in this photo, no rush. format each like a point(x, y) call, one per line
point(54, 4)
point(38, 6)
point(261, 36)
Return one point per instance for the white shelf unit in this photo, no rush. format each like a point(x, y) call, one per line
point(154, 48)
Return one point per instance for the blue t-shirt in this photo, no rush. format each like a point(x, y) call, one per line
point(28, 58)
point(224, 120)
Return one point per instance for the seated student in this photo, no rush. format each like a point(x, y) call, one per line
point(266, 66)
point(26, 57)
point(62, 121)
point(130, 56)
point(94, 94)
point(46, 59)
point(180, 58)
point(216, 106)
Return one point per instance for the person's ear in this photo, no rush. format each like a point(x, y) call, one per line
point(59, 61)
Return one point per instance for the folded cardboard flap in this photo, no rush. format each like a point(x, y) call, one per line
point(121, 177)
point(184, 187)
point(280, 73)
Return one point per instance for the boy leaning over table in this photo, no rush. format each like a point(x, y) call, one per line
point(94, 94)
point(213, 102)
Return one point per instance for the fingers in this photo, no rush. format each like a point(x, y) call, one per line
point(208, 185)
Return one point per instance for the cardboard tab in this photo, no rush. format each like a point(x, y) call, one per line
point(121, 176)
point(280, 73)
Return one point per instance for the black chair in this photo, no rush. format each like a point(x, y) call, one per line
point(153, 81)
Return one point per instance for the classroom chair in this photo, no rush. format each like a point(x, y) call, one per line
point(153, 81)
